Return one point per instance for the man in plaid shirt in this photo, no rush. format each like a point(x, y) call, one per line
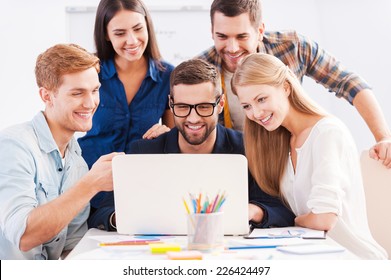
point(238, 30)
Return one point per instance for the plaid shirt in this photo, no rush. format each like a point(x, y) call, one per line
point(305, 58)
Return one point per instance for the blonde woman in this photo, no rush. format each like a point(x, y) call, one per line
point(299, 152)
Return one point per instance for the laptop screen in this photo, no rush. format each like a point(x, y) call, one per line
point(149, 190)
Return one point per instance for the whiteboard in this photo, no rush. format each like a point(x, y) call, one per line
point(187, 37)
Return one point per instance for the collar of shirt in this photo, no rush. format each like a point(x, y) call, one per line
point(108, 70)
point(222, 144)
point(171, 145)
point(45, 138)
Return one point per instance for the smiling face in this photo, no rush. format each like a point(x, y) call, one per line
point(127, 32)
point(194, 129)
point(234, 38)
point(70, 108)
point(266, 105)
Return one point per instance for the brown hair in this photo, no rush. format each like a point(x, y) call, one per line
point(59, 60)
point(267, 151)
point(195, 71)
point(107, 9)
point(233, 8)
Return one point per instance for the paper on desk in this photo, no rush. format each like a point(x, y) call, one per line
point(314, 249)
point(268, 241)
point(118, 253)
point(286, 233)
point(119, 238)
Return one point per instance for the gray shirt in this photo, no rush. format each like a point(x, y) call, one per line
point(32, 174)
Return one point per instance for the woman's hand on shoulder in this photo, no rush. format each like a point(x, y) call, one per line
point(155, 131)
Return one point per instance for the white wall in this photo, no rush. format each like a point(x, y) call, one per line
point(355, 31)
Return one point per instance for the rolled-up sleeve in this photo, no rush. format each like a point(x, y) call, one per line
point(276, 214)
point(17, 188)
point(330, 176)
point(328, 71)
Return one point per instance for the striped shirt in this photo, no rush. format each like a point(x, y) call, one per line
point(305, 58)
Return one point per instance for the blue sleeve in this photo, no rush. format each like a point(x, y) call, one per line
point(276, 213)
point(99, 217)
point(134, 147)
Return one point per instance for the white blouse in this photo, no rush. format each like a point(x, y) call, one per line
point(328, 180)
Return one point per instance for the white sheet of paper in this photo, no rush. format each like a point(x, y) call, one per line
point(313, 249)
point(287, 232)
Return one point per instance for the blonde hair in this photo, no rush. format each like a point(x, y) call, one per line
point(267, 151)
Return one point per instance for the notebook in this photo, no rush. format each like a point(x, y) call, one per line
point(311, 249)
point(149, 190)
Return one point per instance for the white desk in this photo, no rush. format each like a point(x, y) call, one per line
point(88, 248)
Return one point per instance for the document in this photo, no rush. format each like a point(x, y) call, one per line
point(313, 249)
point(286, 232)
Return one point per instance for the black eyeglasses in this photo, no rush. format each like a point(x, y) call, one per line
point(182, 110)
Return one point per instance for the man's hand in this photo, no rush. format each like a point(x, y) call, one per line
point(101, 175)
point(382, 151)
point(255, 213)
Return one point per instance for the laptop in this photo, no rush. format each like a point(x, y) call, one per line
point(149, 190)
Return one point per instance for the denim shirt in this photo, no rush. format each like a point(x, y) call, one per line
point(32, 174)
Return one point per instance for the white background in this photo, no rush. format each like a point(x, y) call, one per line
point(356, 31)
point(308, 269)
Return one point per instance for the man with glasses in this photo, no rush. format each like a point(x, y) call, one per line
point(196, 101)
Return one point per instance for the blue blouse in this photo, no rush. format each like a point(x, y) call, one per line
point(115, 123)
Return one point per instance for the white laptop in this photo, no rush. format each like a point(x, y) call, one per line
point(149, 190)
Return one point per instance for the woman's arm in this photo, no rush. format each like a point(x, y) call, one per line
point(324, 221)
point(158, 129)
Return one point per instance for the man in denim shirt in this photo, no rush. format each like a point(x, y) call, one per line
point(45, 186)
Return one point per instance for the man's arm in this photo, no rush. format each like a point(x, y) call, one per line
point(369, 109)
point(46, 221)
point(275, 213)
point(328, 71)
point(100, 218)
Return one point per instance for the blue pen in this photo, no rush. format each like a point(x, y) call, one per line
point(193, 202)
point(251, 247)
